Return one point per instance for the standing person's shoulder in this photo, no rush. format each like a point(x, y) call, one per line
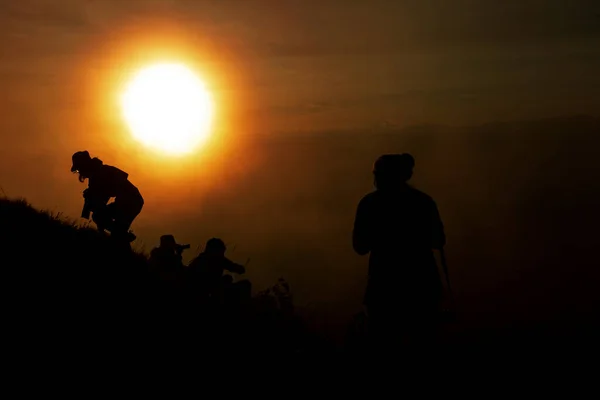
point(422, 197)
point(368, 200)
point(370, 197)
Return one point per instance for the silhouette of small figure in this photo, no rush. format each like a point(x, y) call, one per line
point(168, 255)
point(104, 183)
point(400, 227)
point(207, 273)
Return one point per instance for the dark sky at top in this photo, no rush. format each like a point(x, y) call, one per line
point(321, 63)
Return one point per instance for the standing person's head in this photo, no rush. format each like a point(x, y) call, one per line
point(83, 164)
point(393, 170)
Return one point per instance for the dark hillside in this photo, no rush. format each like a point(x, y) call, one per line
point(69, 291)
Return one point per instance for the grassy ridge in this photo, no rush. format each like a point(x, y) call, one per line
point(70, 290)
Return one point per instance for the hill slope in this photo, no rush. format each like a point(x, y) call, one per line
point(69, 290)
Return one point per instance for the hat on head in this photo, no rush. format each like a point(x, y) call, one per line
point(80, 158)
point(167, 241)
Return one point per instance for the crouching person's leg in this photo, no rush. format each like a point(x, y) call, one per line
point(237, 293)
point(244, 289)
point(124, 214)
point(102, 219)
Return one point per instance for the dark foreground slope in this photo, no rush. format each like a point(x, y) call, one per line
point(70, 292)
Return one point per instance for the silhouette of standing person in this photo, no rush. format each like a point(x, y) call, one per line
point(104, 183)
point(400, 227)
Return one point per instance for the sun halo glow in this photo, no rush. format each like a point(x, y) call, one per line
point(168, 108)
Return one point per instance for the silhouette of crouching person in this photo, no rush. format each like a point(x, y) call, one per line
point(106, 182)
point(207, 272)
point(234, 294)
point(166, 261)
point(169, 254)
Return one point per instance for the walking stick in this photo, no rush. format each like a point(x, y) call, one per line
point(450, 315)
point(445, 268)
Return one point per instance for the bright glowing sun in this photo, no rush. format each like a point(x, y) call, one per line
point(168, 108)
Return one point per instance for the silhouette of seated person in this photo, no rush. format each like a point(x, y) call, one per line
point(399, 227)
point(208, 274)
point(106, 182)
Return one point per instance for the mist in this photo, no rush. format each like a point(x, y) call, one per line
point(518, 200)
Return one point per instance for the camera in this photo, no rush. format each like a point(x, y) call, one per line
point(182, 247)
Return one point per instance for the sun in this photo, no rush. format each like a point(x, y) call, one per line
point(168, 108)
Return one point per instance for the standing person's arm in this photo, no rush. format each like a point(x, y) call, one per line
point(361, 234)
point(445, 268)
point(439, 240)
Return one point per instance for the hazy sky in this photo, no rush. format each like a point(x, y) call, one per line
point(284, 66)
point(280, 67)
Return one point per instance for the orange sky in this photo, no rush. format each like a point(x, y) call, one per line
point(279, 69)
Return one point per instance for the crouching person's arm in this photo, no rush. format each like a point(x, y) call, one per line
point(234, 267)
